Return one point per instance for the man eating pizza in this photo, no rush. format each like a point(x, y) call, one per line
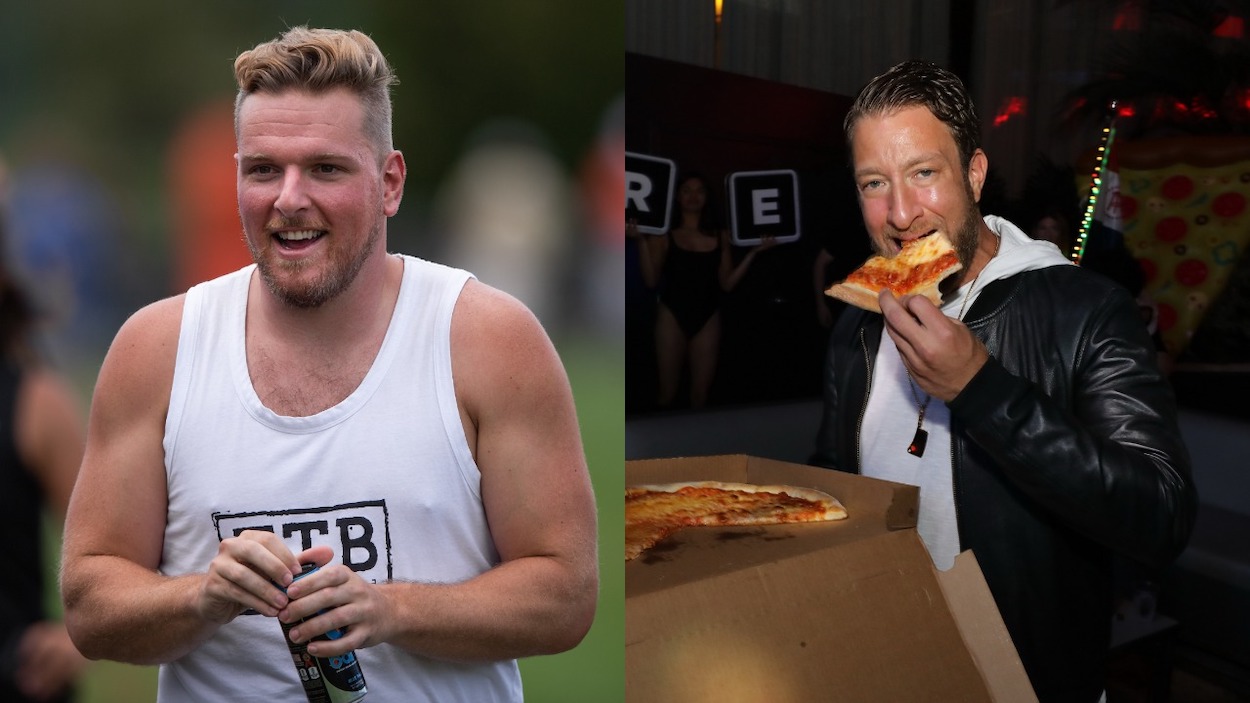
point(1025, 401)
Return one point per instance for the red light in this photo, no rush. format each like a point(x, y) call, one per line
point(1233, 27)
point(1201, 109)
point(1128, 16)
point(1012, 106)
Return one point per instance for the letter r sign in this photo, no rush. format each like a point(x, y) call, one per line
point(649, 184)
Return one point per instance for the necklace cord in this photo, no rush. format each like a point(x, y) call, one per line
point(916, 448)
point(972, 286)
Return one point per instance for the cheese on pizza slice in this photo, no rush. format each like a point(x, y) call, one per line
point(916, 270)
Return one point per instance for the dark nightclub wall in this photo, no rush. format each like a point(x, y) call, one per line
point(718, 123)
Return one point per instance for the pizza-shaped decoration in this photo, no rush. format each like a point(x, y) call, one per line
point(1185, 213)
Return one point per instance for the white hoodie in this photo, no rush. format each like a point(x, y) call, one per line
point(890, 419)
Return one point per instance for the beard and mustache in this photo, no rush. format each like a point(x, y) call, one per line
point(281, 276)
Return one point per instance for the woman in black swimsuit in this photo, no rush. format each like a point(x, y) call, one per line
point(691, 268)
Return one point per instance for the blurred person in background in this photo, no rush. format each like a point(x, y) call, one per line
point(690, 267)
point(66, 223)
point(41, 445)
point(824, 275)
point(1107, 254)
point(1052, 226)
point(202, 197)
point(602, 184)
point(506, 212)
point(396, 422)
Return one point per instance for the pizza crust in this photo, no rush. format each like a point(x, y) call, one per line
point(867, 299)
point(641, 536)
point(855, 295)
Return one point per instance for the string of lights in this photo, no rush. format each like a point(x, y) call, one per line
point(1095, 185)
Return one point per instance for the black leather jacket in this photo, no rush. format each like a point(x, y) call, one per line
point(1065, 448)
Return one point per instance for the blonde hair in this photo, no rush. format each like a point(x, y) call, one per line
point(319, 60)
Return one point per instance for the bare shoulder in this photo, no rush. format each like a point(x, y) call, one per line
point(501, 355)
point(156, 323)
point(118, 506)
point(489, 321)
point(140, 361)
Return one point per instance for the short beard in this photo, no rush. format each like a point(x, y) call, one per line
point(322, 290)
point(965, 240)
point(968, 236)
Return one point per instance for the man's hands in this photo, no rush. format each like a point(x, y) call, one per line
point(348, 601)
point(941, 354)
point(247, 567)
point(244, 573)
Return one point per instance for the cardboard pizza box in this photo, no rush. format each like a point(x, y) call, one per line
point(851, 610)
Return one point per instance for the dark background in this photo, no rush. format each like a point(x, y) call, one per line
point(747, 105)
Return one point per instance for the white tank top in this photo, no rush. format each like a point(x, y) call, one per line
point(385, 478)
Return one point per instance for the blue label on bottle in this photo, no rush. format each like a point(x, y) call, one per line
point(336, 679)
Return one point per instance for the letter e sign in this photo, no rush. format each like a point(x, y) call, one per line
point(763, 204)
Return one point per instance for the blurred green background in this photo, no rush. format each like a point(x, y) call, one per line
point(95, 105)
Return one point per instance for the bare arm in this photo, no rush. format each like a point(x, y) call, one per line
point(112, 594)
point(652, 251)
point(117, 606)
point(731, 275)
point(520, 421)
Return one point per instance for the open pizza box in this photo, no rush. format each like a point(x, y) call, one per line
point(850, 610)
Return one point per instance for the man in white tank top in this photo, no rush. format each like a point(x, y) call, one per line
point(396, 422)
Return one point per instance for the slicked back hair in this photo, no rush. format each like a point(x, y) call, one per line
point(921, 84)
point(317, 61)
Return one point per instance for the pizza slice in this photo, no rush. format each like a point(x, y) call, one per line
point(916, 270)
point(641, 536)
point(652, 512)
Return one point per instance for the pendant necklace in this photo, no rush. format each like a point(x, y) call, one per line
point(916, 448)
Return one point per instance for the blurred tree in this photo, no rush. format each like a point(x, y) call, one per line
point(122, 79)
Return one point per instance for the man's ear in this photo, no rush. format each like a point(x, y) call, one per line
point(394, 172)
point(978, 166)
